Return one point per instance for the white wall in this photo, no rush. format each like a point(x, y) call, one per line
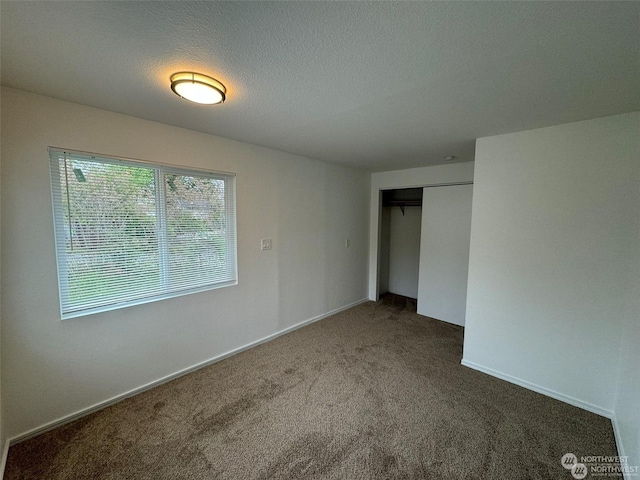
point(412, 177)
point(4, 451)
point(53, 368)
point(627, 402)
point(444, 252)
point(404, 251)
point(554, 225)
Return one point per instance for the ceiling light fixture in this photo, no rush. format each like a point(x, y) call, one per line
point(198, 88)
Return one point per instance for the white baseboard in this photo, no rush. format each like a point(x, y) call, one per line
point(616, 434)
point(620, 445)
point(3, 461)
point(118, 398)
point(543, 390)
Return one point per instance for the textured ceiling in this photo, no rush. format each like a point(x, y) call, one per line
point(380, 86)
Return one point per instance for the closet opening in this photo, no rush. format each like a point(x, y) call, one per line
point(423, 249)
point(401, 220)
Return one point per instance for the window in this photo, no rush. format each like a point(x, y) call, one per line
point(130, 232)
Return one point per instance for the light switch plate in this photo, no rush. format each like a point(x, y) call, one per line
point(265, 244)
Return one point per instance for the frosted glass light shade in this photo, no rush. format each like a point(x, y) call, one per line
point(198, 88)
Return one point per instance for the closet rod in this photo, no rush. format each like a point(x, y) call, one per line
point(451, 184)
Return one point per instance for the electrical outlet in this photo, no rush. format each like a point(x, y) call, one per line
point(265, 244)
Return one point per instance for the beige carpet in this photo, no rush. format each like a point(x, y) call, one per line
point(374, 392)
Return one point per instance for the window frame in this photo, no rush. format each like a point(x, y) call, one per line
point(160, 170)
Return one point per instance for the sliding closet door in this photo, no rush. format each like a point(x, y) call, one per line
point(444, 252)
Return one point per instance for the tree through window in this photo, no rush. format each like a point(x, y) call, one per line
point(129, 232)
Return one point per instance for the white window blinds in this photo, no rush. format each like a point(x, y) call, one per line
point(129, 232)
